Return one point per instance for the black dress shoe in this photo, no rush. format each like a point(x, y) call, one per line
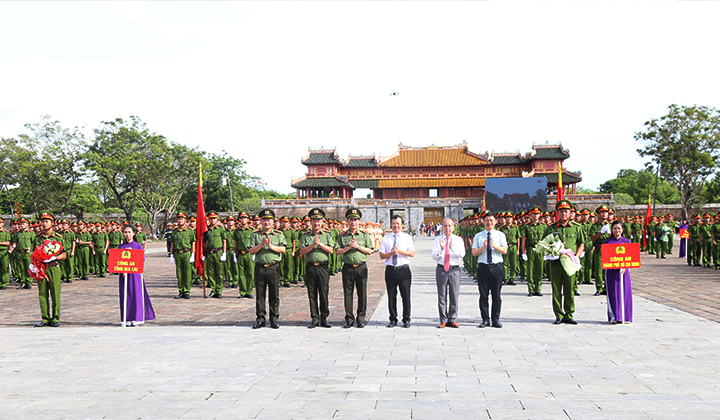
point(496, 324)
point(361, 324)
point(538, 294)
point(196, 283)
point(325, 325)
point(577, 293)
point(218, 296)
point(286, 285)
point(180, 296)
point(186, 295)
point(604, 293)
point(41, 324)
point(392, 324)
point(511, 283)
point(3, 287)
point(233, 286)
point(274, 325)
point(596, 294)
point(347, 324)
point(258, 325)
point(569, 321)
point(531, 294)
point(406, 324)
point(55, 324)
point(484, 324)
point(558, 321)
point(250, 296)
point(313, 325)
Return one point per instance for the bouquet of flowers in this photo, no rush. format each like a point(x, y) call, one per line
point(42, 255)
point(665, 231)
point(552, 248)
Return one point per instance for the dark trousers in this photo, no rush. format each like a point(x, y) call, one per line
point(490, 279)
point(317, 282)
point(398, 278)
point(267, 279)
point(355, 278)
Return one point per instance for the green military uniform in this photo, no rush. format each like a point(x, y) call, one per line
point(82, 252)
point(4, 257)
point(694, 243)
point(715, 230)
point(267, 272)
point(24, 246)
point(532, 234)
point(287, 264)
point(215, 249)
point(100, 241)
point(66, 265)
point(672, 225)
point(245, 266)
point(585, 275)
point(572, 235)
point(317, 280)
point(49, 288)
point(183, 241)
point(706, 245)
point(354, 271)
point(231, 267)
point(652, 240)
point(510, 260)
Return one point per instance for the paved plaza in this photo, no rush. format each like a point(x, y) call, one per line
point(201, 360)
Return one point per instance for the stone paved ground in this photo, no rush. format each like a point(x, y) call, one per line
point(663, 366)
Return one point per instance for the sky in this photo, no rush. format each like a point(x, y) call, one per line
point(266, 81)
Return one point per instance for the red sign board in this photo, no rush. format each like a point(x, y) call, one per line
point(684, 234)
point(621, 255)
point(126, 261)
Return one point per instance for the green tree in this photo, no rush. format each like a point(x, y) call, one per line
point(47, 162)
point(169, 173)
point(121, 156)
point(638, 185)
point(685, 145)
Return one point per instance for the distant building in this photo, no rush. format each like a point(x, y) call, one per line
point(428, 172)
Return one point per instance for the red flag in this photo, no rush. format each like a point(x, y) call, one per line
point(646, 223)
point(560, 192)
point(200, 229)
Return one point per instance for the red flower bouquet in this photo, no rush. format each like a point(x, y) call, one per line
point(42, 255)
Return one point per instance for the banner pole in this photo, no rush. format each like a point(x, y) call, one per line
point(125, 293)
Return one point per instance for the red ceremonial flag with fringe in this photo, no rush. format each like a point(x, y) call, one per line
point(646, 223)
point(200, 229)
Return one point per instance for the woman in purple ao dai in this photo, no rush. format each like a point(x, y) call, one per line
point(139, 307)
point(617, 283)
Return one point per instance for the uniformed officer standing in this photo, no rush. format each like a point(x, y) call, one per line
point(140, 236)
point(68, 241)
point(4, 259)
point(287, 267)
point(182, 254)
point(316, 247)
point(571, 234)
point(510, 262)
point(354, 245)
point(215, 255)
point(245, 265)
point(23, 245)
point(49, 288)
point(532, 233)
point(100, 244)
point(268, 245)
point(231, 271)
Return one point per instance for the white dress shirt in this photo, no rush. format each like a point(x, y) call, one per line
point(457, 250)
point(403, 241)
point(498, 238)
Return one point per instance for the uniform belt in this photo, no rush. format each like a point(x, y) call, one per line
point(181, 251)
point(243, 252)
point(356, 265)
point(490, 265)
point(53, 264)
point(398, 267)
point(269, 265)
point(83, 246)
point(213, 250)
point(451, 267)
point(318, 263)
point(23, 251)
point(512, 243)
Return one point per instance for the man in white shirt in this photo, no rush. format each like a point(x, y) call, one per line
point(489, 246)
point(396, 249)
point(448, 251)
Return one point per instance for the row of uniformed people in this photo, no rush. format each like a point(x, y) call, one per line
point(704, 241)
point(86, 244)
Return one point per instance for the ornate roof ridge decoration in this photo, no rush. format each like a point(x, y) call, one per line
point(323, 158)
point(460, 147)
point(296, 180)
point(547, 147)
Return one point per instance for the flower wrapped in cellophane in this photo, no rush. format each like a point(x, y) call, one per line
point(552, 248)
point(43, 254)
